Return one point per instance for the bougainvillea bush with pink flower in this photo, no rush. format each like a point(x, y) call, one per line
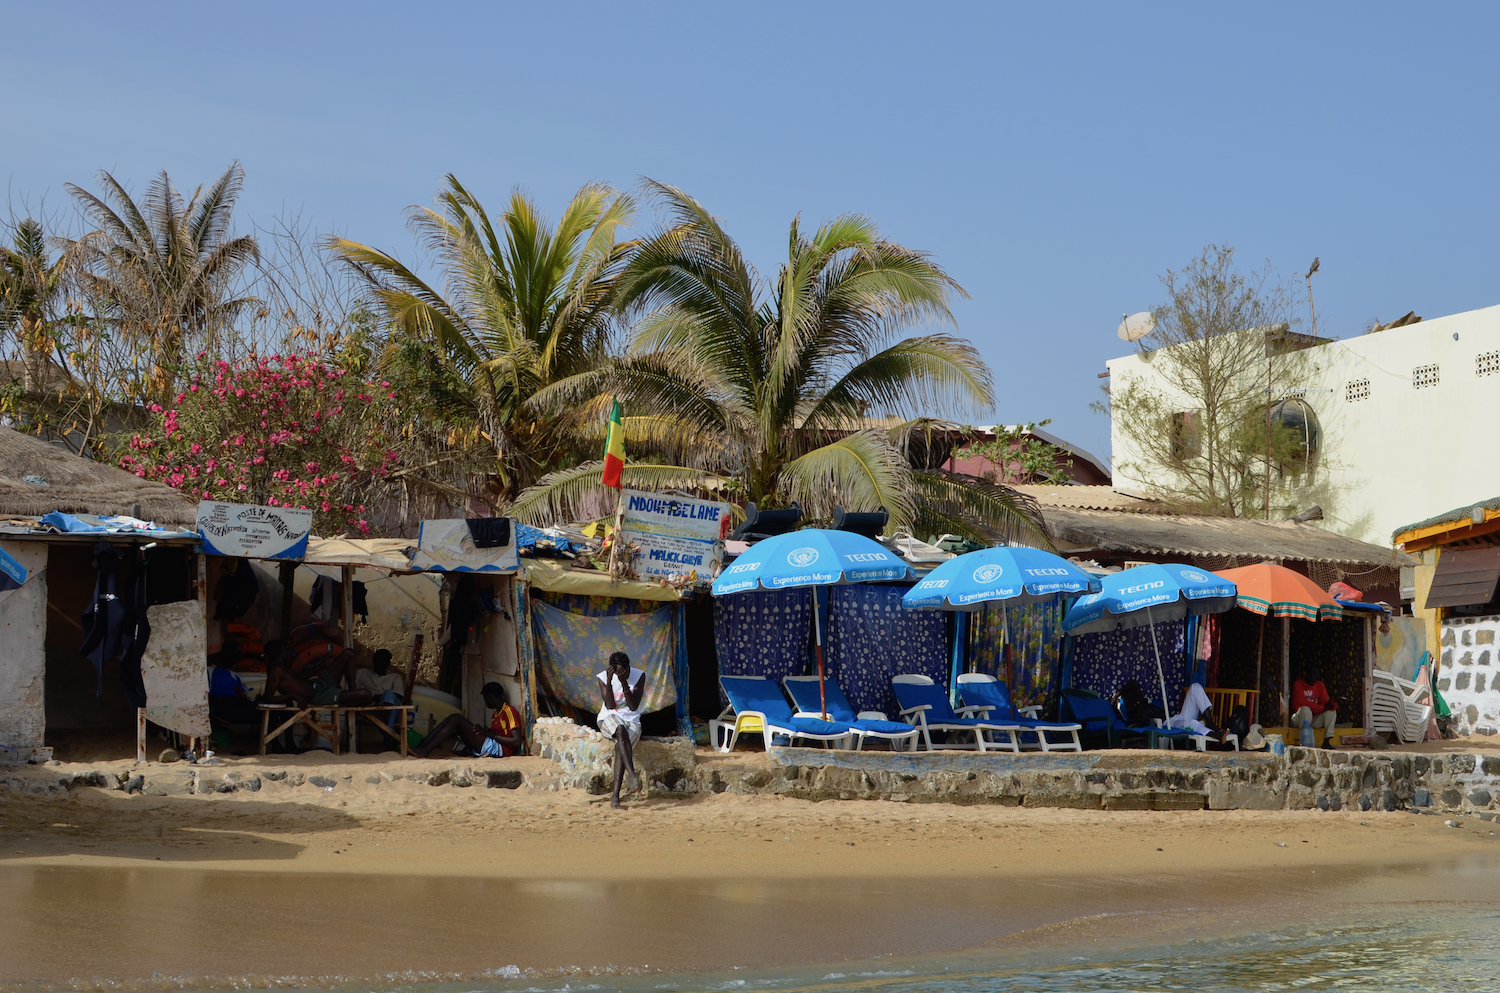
point(285, 431)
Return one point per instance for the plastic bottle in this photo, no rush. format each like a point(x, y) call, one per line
point(1305, 738)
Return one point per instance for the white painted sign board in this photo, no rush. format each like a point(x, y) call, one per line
point(174, 668)
point(676, 534)
point(253, 532)
point(447, 546)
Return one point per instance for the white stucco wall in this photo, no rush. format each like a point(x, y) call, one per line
point(1400, 454)
point(23, 657)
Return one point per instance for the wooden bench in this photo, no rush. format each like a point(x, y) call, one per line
point(329, 730)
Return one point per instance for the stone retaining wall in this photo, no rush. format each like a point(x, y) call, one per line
point(1118, 779)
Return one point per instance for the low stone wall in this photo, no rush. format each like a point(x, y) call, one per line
point(1113, 780)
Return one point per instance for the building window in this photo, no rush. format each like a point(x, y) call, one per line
point(1424, 376)
point(1187, 435)
point(1487, 364)
point(1357, 389)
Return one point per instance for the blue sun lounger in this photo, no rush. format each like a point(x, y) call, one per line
point(759, 708)
point(926, 705)
point(866, 724)
point(987, 697)
point(1098, 716)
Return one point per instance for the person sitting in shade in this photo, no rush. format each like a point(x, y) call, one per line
point(1312, 704)
point(621, 689)
point(503, 737)
point(228, 700)
point(384, 685)
point(1195, 704)
point(323, 690)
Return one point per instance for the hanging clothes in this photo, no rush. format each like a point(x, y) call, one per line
point(138, 636)
point(104, 621)
point(237, 589)
point(361, 603)
point(326, 600)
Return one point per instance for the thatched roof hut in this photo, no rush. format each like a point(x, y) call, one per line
point(37, 478)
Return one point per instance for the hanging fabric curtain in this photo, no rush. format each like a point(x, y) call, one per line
point(872, 638)
point(572, 649)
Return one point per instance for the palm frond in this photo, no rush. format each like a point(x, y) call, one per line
point(931, 372)
point(579, 493)
point(861, 472)
point(957, 503)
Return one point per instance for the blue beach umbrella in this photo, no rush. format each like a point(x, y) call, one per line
point(1024, 575)
point(1147, 594)
point(811, 557)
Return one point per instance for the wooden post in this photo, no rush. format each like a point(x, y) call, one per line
point(140, 734)
point(1286, 667)
point(201, 585)
point(346, 618)
point(288, 577)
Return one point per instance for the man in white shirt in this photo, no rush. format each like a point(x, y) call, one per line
point(384, 686)
point(621, 689)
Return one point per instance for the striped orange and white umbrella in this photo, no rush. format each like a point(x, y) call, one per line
point(1276, 591)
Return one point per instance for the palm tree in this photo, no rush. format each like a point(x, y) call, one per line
point(32, 288)
point(166, 270)
point(524, 304)
point(801, 390)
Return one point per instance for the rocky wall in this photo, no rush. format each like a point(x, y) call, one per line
point(1469, 676)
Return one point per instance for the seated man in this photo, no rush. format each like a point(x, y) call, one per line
point(621, 688)
point(503, 737)
point(1312, 704)
point(228, 700)
point(325, 690)
point(384, 686)
point(1195, 704)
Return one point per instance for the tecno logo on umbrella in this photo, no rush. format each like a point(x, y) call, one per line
point(988, 573)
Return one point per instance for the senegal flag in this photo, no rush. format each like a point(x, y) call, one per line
point(614, 448)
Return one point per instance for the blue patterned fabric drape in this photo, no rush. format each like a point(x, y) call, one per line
point(763, 633)
point(1036, 637)
point(572, 649)
point(1105, 662)
point(871, 638)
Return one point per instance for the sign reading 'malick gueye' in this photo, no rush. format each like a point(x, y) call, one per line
point(675, 534)
point(253, 532)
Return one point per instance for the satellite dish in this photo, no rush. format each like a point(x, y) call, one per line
point(1136, 326)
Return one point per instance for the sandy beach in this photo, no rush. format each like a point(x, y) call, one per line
point(405, 878)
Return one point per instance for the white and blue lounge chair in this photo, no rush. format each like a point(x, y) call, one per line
point(990, 698)
point(926, 706)
point(865, 724)
point(759, 708)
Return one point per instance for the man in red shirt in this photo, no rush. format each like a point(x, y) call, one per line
point(1311, 704)
point(503, 737)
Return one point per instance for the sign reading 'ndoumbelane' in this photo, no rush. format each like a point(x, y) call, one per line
point(253, 532)
point(675, 534)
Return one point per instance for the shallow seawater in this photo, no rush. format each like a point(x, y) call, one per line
point(1415, 928)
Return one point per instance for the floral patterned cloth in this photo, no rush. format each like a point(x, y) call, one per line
point(1035, 637)
point(763, 633)
point(1105, 662)
point(572, 649)
point(871, 638)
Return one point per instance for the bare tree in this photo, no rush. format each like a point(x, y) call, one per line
point(1197, 428)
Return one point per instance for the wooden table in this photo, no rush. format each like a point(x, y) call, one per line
point(329, 730)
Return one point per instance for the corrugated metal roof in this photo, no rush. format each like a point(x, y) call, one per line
point(1164, 534)
point(1458, 515)
point(1091, 498)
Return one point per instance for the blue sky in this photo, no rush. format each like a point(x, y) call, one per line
point(1055, 158)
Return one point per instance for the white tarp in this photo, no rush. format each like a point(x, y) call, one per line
point(175, 668)
point(253, 532)
point(447, 546)
point(676, 535)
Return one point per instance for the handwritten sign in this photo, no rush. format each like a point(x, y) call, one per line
point(253, 532)
point(676, 534)
point(447, 546)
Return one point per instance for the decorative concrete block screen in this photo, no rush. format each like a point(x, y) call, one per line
point(1469, 678)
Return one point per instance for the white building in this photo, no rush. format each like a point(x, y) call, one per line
point(1402, 419)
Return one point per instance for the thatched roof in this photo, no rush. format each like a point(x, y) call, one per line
point(37, 478)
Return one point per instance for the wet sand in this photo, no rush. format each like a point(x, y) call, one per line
point(400, 878)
